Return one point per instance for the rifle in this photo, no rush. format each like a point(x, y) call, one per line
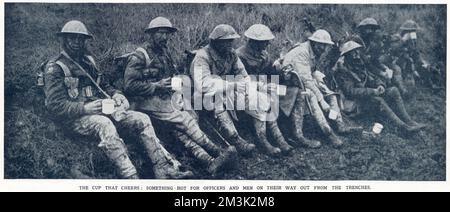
point(209, 126)
point(309, 26)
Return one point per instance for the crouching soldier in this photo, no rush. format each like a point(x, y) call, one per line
point(216, 69)
point(368, 92)
point(302, 59)
point(256, 61)
point(147, 82)
point(74, 90)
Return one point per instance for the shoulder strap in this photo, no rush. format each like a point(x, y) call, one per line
point(147, 57)
point(91, 59)
point(87, 74)
point(64, 67)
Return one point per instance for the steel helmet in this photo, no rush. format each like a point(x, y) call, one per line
point(409, 25)
point(74, 27)
point(223, 32)
point(348, 46)
point(321, 36)
point(368, 22)
point(160, 22)
point(259, 32)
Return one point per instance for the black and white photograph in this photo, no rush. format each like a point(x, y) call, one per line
point(224, 91)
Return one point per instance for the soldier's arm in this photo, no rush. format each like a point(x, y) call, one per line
point(379, 82)
point(302, 65)
point(57, 99)
point(349, 88)
point(239, 68)
point(134, 82)
point(203, 80)
point(270, 69)
point(107, 86)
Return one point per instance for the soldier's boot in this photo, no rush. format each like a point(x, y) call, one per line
point(323, 124)
point(116, 150)
point(228, 130)
point(296, 119)
point(213, 164)
point(117, 153)
point(219, 163)
point(278, 136)
point(230, 151)
point(165, 166)
point(400, 108)
point(387, 112)
point(335, 140)
point(133, 177)
point(343, 128)
point(260, 130)
point(192, 129)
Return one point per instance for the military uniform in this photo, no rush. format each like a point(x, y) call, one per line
point(303, 59)
point(209, 70)
point(258, 63)
point(410, 60)
point(143, 70)
point(358, 85)
point(68, 88)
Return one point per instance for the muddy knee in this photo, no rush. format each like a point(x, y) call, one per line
point(140, 121)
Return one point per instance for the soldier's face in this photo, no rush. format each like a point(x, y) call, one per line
point(223, 46)
point(75, 42)
point(354, 57)
point(410, 39)
point(161, 37)
point(258, 46)
point(367, 31)
point(318, 48)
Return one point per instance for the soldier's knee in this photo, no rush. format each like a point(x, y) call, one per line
point(103, 121)
point(393, 92)
point(140, 120)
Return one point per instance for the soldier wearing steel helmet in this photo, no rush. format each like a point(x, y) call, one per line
point(147, 80)
point(410, 59)
point(302, 59)
point(365, 93)
point(369, 36)
point(256, 60)
point(75, 89)
point(212, 70)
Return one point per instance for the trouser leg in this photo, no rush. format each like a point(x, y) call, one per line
point(394, 97)
point(110, 142)
point(318, 115)
point(296, 120)
point(226, 127)
point(278, 136)
point(164, 164)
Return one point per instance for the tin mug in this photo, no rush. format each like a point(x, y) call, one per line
point(377, 128)
point(108, 106)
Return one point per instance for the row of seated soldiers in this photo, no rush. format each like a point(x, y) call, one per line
point(358, 81)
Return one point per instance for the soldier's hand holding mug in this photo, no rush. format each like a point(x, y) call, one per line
point(94, 107)
point(379, 91)
point(121, 101)
point(325, 106)
point(165, 84)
